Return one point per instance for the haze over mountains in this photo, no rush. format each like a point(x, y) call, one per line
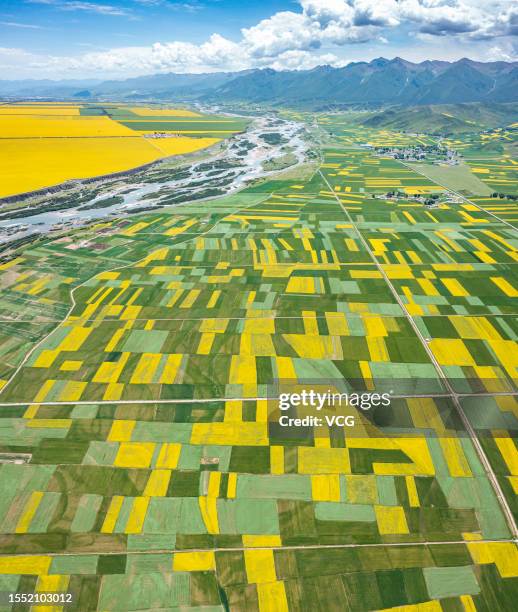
point(379, 82)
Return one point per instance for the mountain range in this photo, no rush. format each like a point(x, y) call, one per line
point(376, 83)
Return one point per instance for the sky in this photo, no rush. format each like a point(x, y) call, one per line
point(116, 39)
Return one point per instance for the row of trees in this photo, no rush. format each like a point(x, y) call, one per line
point(507, 196)
point(400, 194)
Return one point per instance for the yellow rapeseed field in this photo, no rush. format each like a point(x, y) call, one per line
point(26, 165)
point(145, 111)
point(194, 561)
point(34, 103)
point(32, 126)
point(8, 109)
point(34, 163)
point(182, 145)
point(45, 145)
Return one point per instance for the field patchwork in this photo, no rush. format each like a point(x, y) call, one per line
point(143, 463)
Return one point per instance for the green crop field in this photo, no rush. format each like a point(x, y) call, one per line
point(459, 178)
point(159, 119)
point(141, 360)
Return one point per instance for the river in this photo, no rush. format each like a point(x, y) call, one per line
point(226, 172)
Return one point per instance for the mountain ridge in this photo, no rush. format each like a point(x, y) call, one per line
point(378, 82)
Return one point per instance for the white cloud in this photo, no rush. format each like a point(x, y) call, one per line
point(13, 61)
point(322, 22)
point(78, 5)
point(442, 17)
point(282, 32)
point(378, 13)
point(325, 12)
point(158, 58)
point(505, 24)
point(27, 26)
point(190, 7)
point(302, 60)
point(296, 40)
point(102, 9)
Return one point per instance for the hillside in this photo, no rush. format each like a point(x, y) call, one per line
point(359, 84)
point(444, 119)
point(378, 82)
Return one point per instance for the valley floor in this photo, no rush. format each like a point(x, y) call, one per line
point(141, 363)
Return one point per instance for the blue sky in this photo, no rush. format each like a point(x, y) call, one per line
point(124, 38)
point(61, 26)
